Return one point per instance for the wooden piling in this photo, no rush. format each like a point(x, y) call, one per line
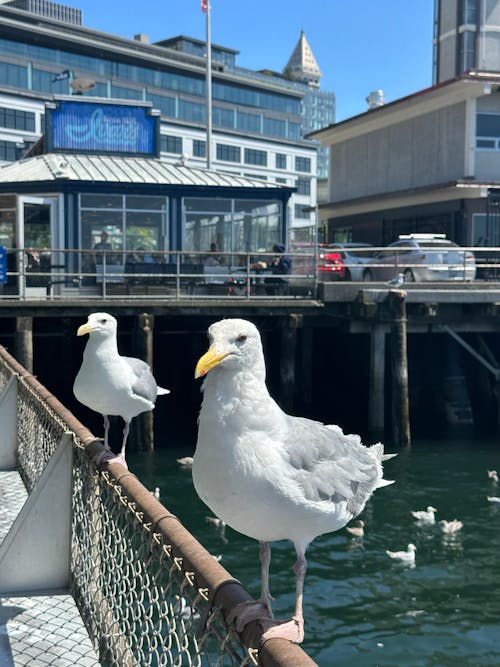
point(23, 342)
point(399, 368)
point(376, 406)
point(306, 368)
point(142, 340)
point(287, 361)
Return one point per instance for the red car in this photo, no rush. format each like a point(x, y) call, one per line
point(330, 263)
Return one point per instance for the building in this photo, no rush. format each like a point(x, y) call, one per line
point(466, 37)
point(257, 119)
point(97, 171)
point(429, 162)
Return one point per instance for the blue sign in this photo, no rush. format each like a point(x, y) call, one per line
point(94, 127)
point(3, 264)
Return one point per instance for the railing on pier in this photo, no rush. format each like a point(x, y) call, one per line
point(148, 592)
point(76, 275)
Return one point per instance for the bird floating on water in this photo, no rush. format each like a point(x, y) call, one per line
point(185, 462)
point(407, 557)
point(450, 527)
point(358, 530)
point(109, 383)
point(493, 475)
point(425, 516)
point(269, 475)
point(494, 499)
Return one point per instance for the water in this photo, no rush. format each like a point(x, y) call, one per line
point(361, 608)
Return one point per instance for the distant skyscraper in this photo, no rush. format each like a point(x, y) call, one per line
point(466, 37)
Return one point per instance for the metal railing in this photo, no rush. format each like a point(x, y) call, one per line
point(149, 594)
point(60, 274)
point(69, 275)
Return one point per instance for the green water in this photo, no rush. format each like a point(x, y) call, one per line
point(361, 608)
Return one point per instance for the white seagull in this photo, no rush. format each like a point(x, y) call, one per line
point(267, 474)
point(185, 462)
point(358, 530)
point(109, 383)
point(397, 281)
point(407, 557)
point(494, 499)
point(426, 516)
point(450, 527)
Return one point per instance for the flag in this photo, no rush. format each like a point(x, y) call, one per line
point(204, 4)
point(66, 74)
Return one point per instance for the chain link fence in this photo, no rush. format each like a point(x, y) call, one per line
point(149, 594)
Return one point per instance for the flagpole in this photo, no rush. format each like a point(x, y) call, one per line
point(208, 84)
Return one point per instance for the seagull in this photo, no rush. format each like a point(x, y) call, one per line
point(407, 557)
point(397, 281)
point(109, 383)
point(426, 516)
point(267, 474)
point(219, 525)
point(493, 475)
point(185, 462)
point(450, 527)
point(494, 499)
point(357, 531)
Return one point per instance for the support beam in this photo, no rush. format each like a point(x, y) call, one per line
point(306, 368)
point(287, 361)
point(399, 368)
point(376, 399)
point(23, 342)
point(142, 426)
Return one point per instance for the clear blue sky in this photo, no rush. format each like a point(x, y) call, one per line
point(360, 45)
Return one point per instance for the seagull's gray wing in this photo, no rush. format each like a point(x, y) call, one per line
point(144, 384)
point(332, 466)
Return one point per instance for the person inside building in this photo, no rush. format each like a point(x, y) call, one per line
point(280, 265)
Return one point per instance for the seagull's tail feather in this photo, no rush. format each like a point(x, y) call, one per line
point(160, 391)
point(378, 450)
point(385, 482)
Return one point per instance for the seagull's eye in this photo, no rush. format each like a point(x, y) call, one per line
point(241, 338)
point(103, 321)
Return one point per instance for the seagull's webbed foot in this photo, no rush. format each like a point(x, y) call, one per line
point(246, 612)
point(293, 630)
point(109, 457)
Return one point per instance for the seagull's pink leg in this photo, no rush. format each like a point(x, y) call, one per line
point(293, 630)
point(106, 431)
point(259, 610)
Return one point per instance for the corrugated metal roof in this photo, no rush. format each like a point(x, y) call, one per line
point(118, 169)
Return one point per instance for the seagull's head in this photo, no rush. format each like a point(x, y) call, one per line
point(412, 548)
point(431, 509)
point(234, 345)
point(100, 324)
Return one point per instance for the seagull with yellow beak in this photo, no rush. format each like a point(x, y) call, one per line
point(270, 475)
point(109, 383)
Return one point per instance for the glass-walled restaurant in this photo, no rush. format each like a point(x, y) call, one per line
point(84, 212)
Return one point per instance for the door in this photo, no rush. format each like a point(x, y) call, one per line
point(37, 235)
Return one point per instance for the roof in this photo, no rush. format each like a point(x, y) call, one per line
point(471, 85)
point(119, 169)
point(302, 64)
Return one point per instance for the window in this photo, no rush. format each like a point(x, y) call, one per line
point(228, 153)
point(17, 120)
point(280, 180)
point(8, 151)
point(487, 131)
point(253, 156)
point(171, 144)
point(280, 161)
point(199, 148)
point(223, 117)
point(303, 186)
point(248, 121)
point(302, 164)
point(301, 212)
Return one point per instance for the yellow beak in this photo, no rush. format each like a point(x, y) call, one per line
point(84, 329)
point(208, 361)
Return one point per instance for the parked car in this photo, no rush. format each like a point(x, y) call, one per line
point(422, 258)
point(355, 255)
point(330, 261)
